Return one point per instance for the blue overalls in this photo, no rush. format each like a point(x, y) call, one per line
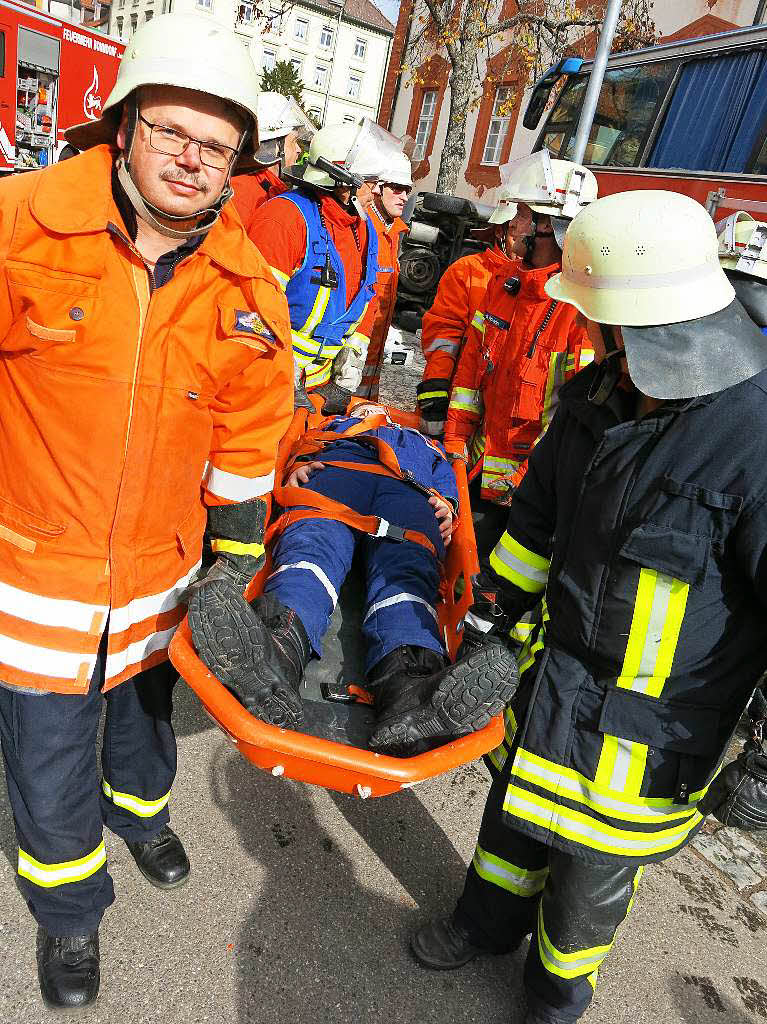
point(312, 557)
point(320, 321)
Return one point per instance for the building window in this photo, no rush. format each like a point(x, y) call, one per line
point(425, 121)
point(301, 29)
point(167, 6)
point(326, 37)
point(360, 47)
point(315, 114)
point(297, 64)
point(120, 27)
point(320, 76)
point(349, 119)
point(355, 83)
point(148, 15)
point(246, 13)
point(268, 60)
point(499, 127)
point(205, 5)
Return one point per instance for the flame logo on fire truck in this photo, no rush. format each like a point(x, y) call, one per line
point(91, 99)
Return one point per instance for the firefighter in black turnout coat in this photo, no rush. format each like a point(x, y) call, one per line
point(642, 524)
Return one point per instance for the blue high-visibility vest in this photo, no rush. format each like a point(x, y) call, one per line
point(321, 321)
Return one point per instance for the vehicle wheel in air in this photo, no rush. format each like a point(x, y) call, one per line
point(419, 270)
point(437, 202)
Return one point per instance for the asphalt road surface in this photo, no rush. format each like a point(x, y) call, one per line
point(301, 901)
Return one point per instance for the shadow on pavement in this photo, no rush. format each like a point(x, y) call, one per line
point(189, 717)
point(326, 939)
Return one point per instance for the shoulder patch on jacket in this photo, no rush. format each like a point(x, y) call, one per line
point(251, 323)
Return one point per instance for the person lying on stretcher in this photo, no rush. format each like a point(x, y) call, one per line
point(259, 651)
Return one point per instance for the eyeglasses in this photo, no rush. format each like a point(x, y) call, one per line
point(173, 143)
point(393, 187)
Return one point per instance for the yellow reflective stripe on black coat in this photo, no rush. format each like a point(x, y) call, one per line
point(648, 537)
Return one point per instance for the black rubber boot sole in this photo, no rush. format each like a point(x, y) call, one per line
point(234, 644)
point(469, 695)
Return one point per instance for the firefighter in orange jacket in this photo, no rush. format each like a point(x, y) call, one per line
point(385, 209)
point(522, 345)
point(145, 381)
point(446, 325)
point(279, 119)
point(322, 249)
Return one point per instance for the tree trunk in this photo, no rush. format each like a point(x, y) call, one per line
point(454, 150)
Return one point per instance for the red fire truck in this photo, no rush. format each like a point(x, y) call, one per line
point(53, 74)
point(689, 116)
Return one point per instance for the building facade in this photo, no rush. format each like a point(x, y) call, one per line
point(340, 50)
point(495, 133)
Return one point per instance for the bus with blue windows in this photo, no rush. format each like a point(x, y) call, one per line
point(689, 116)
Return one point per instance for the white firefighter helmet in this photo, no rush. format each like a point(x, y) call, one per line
point(743, 256)
point(398, 171)
point(505, 207)
point(362, 151)
point(648, 261)
point(743, 244)
point(278, 116)
point(558, 188)
point(183, 50)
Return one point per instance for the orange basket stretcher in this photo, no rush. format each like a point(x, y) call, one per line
point(327, 755)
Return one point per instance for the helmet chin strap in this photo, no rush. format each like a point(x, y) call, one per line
point(609, 373)
point(202, 221)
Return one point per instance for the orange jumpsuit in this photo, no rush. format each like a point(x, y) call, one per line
point(251, 191)
point(125, 411)
point(519, 351)
point(389, 234)
point(279, 231)
point(461, 290)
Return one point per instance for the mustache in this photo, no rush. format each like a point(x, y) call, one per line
point(186, 178)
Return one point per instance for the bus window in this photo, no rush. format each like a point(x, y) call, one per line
point(628, 106)
point(2, 53)
point(716, 115)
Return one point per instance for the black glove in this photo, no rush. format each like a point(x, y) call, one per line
point(738, 795)
point(336, 398)
point(486, 620)
point(301, 398)
point(237, 541)
point(433, 398)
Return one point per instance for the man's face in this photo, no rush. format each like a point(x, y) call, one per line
point(393, 198)
point(522, 226)
point(292, 150)
point(180, 185)
point(365, 194)
point(594, 331)
point(342, 194)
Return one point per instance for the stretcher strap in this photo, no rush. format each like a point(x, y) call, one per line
point(314, 441)
point(319, 506)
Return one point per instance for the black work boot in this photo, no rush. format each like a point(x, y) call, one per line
point(162, 860)
point(455, 701)
point(261, 660)
point(445, 945)
point(68, 969)
point(401, 683)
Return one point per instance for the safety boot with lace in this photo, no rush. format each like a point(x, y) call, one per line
point(260, 662)
point(401, 683)
point(454, 701)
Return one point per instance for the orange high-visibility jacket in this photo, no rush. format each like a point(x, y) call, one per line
point(124, 411)
point(386, 293)
point(445, 327)
point(251, 191)
point(519, 352)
